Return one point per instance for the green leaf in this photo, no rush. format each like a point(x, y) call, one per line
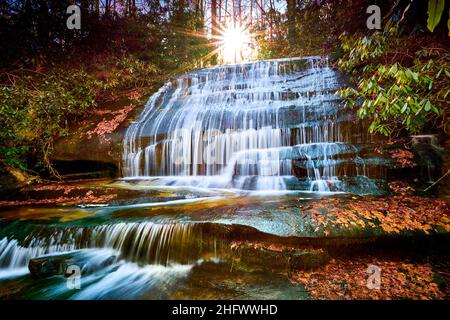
point(446, 94)
point(405, 106)
point(393, 69)
point(448, 23)
point(435, 110)
point(435, 9)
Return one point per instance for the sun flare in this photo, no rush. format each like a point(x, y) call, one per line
point(235, 44)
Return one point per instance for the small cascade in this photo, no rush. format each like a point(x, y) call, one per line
point(13, 255)
point(145, 242)
point(275, 124)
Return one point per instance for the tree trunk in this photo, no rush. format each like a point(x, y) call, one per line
point(107, 5)
point(233, 12)
point(213, 17)
point(240, 10)
point(291, 19)
point(251, 12)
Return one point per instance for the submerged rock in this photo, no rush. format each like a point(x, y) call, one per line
point(60, 264)
point(49, 266)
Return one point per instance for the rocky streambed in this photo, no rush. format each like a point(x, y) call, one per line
point(131, 240)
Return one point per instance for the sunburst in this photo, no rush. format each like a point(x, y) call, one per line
point(235, 44)
point(232, 42)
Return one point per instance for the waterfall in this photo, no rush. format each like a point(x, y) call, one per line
point(259, 125)
point(134, 241)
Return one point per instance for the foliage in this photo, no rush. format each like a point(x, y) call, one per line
point(394, 214)
point(52, 77)
point(345, 279)
point(435, 9)
point(396, 90)
point(36, 107)
point(304, 35)
point(313, 27)
point(134, 72)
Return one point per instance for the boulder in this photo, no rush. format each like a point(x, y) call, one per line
point(12, 178)
point(57, 265)
point(46, 267)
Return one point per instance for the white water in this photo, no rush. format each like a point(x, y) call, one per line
point(269, 125)
point(145, 241)
point(232, 127)
point(117, 261)
point(129, 281)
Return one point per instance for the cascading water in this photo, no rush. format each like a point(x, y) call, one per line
point(118, 260)
point(145, 241)
point(264, 125)
point(267, 125)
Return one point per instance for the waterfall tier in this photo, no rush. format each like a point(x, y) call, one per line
point(145, 242)
point(275, 124)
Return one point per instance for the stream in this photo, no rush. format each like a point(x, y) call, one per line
point(218, 156)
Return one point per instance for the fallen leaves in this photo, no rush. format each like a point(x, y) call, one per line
point(401, 188)
point(88, 198)
point(348, 279)
point(392, 214)
point(403, 158)
point(135, 94)
point(65, 188)
point(61, 194)
point(108, 126)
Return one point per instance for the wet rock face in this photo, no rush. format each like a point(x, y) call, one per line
point(430, 156)
point(265, 125)
point(94, 146)
point(11, 179)
point(86, 169)
point(254, 256)
point(77, 155)
point(97, 153)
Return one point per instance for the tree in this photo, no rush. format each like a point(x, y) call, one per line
point(213, 17)
point(291, 13)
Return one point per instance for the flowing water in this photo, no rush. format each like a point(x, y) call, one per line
point(268, 125)
point(219, 137)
